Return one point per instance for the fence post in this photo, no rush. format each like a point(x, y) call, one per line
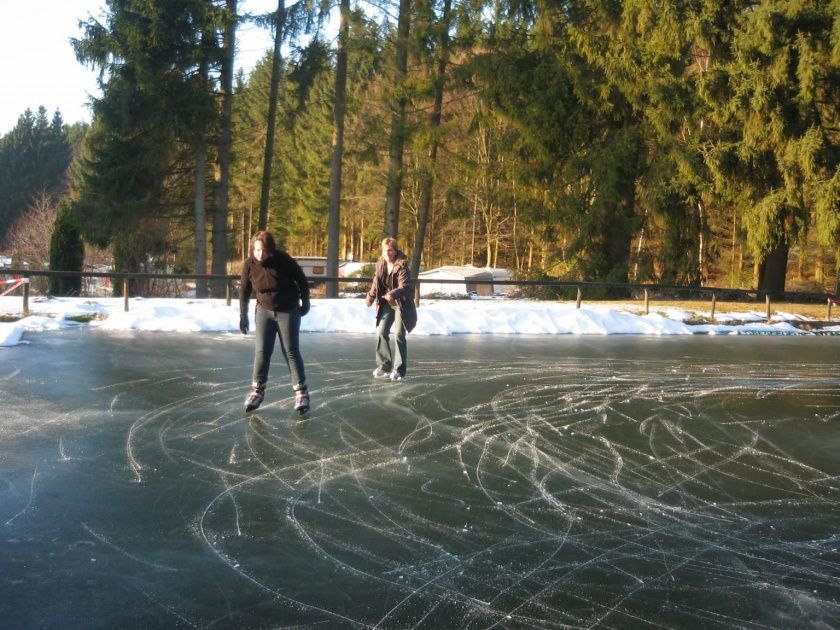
point(227, 291)
point(579, 297)
point(647, 302)
point(767, 300)
point(714, 303)
point(828, 311)
point(26, 298)
point(125, 294)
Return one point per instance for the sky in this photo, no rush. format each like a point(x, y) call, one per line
point(38, 65)
point(435, 317)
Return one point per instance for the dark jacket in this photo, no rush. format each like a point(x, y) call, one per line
point(278, 283)
point(398, 285)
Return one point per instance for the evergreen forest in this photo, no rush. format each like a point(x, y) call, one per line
point(689, 142)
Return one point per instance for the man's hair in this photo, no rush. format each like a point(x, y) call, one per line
point(266, 239)
point(389, 240)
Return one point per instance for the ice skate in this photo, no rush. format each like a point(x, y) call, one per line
point(302, 400)
point(254, 399)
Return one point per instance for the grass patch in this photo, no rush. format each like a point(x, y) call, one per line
point(814, 312)
point(83, 319)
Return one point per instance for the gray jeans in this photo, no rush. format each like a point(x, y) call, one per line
point(269, 325)
point(384, 359)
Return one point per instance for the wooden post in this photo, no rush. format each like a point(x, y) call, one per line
point(828, 311)
point(714, 303)
point(227, 292)
point(767, 300)
point(125, 294)
point(647, 302)
point(26, 299)
point(579, 297)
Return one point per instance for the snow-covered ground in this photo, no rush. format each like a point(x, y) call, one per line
point(442, 317)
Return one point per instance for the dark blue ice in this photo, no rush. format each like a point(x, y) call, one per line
point(508, 482)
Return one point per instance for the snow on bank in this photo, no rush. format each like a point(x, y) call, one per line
point(441, 317)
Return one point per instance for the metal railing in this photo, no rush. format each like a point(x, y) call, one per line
point(22, 278)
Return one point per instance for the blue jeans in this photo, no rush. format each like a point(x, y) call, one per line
point(268, 326)
point(384, 359)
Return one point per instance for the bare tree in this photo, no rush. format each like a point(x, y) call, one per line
point(398, 128)
point(220, 214)
point(334, 220)
point(276, 67)
point(442, 55)
point(28, 239)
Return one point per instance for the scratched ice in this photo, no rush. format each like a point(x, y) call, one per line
point(507, 483)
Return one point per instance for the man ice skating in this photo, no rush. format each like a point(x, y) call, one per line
point(391, 290)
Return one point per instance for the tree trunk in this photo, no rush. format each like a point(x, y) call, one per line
point(200, 213)
point(220, 214)
point(837, 273)
point(200, 200)
point(772, 270)
point(268, 158)
point(427, 185)
point(334, 219)
point(395, 164)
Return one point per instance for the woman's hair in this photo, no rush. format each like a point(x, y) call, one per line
point(389, 240)
point(266, 239)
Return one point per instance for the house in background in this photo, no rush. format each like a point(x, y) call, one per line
point(316, 266)
point(464, 280)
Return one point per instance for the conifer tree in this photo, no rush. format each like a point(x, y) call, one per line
point(67, 253)
point(154, 106)
point(34, 157)
point(774, 95)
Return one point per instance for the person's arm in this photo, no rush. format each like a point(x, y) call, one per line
point(244, 295)
point(370, 298)
point(303, 286)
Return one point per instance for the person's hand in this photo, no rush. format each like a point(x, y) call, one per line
point(304, 307)
point(368, 301)
point(389, 298)
point(243, 323)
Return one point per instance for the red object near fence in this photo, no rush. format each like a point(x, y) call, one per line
point(15, 282)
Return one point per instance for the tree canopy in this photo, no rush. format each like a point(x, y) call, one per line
point(683, 141)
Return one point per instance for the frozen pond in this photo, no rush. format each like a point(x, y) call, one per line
point(509, 482)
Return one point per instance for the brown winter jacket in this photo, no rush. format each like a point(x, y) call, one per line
point(397, 284)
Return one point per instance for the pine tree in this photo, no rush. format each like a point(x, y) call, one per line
point(774, 95)
point(153, 108)
point(34, 158)
point(67, 253)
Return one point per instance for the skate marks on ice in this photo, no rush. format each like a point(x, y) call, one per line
point(509, 494)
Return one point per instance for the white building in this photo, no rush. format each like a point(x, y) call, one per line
point(463, 280)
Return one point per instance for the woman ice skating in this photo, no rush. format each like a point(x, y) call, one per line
point(282, 296)
point(391, 290)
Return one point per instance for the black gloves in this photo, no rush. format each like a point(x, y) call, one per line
point(243, 323)
point(304, 306)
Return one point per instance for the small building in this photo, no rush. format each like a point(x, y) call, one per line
point(313, 266)
point(316, 266)
point(457, 280)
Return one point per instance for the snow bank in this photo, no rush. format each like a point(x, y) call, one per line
point(435, 317)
